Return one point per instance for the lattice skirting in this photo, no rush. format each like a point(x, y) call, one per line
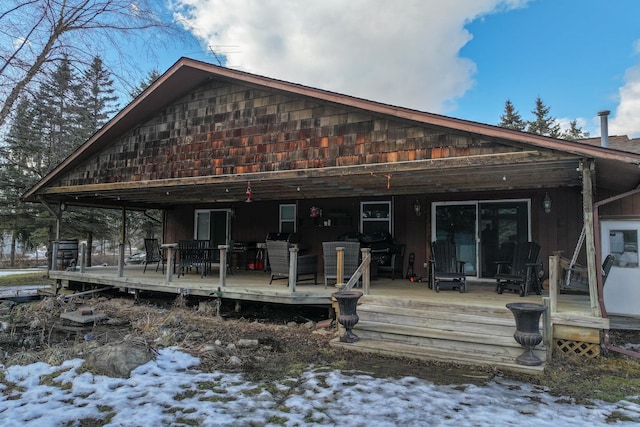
point(579, 348)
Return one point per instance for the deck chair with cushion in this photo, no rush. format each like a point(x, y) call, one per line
point(446, 269)
point(522, 273)
point(351, 260)
point(279, 262)
point(153, 254)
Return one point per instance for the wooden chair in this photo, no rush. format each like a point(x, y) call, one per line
point(351, 259)
point(521, 274)
point(446, 270)
point(153, 254)
point(395, 265)
point(279, 261)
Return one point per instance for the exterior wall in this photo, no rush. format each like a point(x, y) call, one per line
point(234, 129)
point(556, 231)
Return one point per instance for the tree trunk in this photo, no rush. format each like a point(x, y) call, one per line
point(12, 256)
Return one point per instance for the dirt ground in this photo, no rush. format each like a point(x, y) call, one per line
point(288, 342)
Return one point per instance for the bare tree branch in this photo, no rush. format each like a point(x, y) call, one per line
point(36, 33)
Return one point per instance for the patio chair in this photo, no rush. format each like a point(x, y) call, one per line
point(446, 270)
point(351, 260)
point(153, 254)
point(193, 254)
point(278, 251)
point(522, 273)
point(395, 264)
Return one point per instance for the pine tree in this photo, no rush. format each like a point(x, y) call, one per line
point(19, 170)
point(511, 118)
point(151, 77)
point(96, 99)
point(59, 116)
point(574, 132)
point(544, 124)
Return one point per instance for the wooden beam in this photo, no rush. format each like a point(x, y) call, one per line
point(588, 169)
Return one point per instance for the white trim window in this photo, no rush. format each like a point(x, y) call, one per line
point(287, 218)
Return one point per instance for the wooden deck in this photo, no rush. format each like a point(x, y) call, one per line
point(254, 286)
point(398, 317)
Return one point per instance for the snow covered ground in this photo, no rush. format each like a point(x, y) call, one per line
point(172, 391)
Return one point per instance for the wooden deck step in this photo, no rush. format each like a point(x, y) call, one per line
point(456, 332)
point(421, 353)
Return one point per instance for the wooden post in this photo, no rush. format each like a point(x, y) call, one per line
point(171, 254)
point(223, 264)
point(121, 260)
point(366, 273)
point(340, 268)
point(83, 257)
point(554, 269)
point(293, 268)
point(587, 206)
point(547, 328)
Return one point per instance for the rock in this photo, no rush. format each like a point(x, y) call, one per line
point(117, 360)
point(310, 325)
point(292, 324)
point(234, 361)
point(231, 346)
point(244, 343)
point(217, 342)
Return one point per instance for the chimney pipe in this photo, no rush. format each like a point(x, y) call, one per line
point(604, 128)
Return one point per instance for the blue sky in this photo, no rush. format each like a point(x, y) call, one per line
point(459, 58)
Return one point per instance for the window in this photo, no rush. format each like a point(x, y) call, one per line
point(623, 245)
point(288, 218)
point(375, 216)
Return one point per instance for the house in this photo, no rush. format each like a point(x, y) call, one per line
point(202, 141)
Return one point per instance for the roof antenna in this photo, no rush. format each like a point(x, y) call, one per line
point(216, 56)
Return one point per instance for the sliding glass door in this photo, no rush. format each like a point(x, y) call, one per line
point(483, 231)
point(213, 225)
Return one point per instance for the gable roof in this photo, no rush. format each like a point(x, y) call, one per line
point(187, 74)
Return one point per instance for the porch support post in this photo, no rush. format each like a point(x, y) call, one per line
point(587, 206)
point(293, 268)
point(83, 256)
point(123, 238)
point(223, 264)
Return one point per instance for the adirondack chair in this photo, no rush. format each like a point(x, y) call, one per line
point(279, 261)
point(351, 259)
point(446, 270)
point(521, 274)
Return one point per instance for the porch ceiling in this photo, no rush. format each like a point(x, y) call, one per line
point(506, 171)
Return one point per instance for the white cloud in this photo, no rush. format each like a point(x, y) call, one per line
point(402, 53)
point(626, 118)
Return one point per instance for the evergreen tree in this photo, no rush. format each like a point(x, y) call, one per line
point(574, 132)
point(151, 77)
point(511, 118)
point(96, 99)
point(59, 115)
point(544, 124)
point(19, 170)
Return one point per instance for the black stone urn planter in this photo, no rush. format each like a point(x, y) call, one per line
point(347, 315)
point(527, 333)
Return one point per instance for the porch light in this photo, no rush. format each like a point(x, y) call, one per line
point(546, 203)
point(417, 208)
point(249, 193)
